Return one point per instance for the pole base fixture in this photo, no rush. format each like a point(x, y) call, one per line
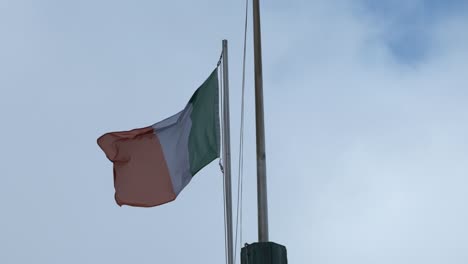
point(264, 253)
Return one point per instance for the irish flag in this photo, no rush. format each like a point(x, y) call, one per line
point(153, 164)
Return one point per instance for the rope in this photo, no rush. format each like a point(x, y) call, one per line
point(220, 59)
point(220, 101)
point(241, 143)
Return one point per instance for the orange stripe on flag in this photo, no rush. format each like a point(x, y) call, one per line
point(141, 175)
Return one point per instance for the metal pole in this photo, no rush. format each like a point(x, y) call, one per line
point(227, 156)
point(262, 200)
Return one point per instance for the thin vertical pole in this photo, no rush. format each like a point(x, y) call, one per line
point(227, 157)
point(262, 200)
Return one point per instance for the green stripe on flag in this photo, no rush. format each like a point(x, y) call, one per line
point(204, 134)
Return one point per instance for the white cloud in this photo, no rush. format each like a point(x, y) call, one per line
point(375, 149)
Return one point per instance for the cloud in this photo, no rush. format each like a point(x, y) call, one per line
point(373, 147)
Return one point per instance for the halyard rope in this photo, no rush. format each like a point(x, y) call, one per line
point(241, 143)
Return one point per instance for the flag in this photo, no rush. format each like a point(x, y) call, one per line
point(152, 165)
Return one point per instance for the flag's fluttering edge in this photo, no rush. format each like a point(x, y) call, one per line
point(153, 164)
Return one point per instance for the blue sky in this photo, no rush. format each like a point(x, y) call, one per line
point(410, 24)
point(366, 120)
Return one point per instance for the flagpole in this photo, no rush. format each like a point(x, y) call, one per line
point(262, 199)
point(263, 252)
point(227, 157)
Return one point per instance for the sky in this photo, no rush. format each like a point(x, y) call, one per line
point(366, 128)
